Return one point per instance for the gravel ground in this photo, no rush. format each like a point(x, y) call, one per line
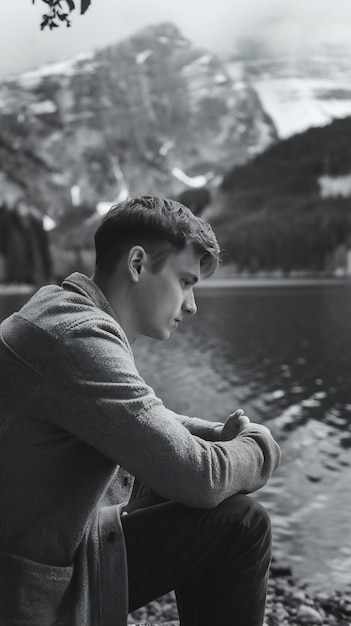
point(288, 604)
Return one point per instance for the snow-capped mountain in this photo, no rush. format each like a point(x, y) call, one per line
point(300, 92)
point(152, 114)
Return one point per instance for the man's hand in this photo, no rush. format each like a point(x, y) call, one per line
point(235, 423)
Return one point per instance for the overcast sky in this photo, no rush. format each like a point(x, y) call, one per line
point(284, 25)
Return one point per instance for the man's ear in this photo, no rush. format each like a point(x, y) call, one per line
point(136, 262)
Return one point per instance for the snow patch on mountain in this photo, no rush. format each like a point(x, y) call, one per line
point(166, 147)
point(44, 107)
point(296, 104)
point(335, 186)
point(48, 223)
point(220, 78)
point(196, 182)
point(30, 79)
point(143, 56)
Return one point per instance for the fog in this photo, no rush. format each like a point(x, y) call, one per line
point(278, 26)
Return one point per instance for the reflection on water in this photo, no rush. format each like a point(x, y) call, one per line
point(11, 301)
point(284, 355)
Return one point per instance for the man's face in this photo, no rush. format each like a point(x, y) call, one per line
point(166, 296)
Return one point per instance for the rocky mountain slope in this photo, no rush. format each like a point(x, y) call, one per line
point(152, 114)
point(155, 114)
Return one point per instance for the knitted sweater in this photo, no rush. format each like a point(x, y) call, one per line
point(74, 411)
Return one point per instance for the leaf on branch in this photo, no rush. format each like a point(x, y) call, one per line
point(84, 4)
point(44, 22)
point(56, 11)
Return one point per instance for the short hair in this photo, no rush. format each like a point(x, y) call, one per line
point(160, 226)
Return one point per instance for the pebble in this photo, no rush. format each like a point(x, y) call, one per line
point(289, 603)
point(299, 595)
point(308, 615)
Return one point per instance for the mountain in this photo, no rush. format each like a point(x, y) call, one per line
point(152, 114)
point(299, 91)
point(289, 209)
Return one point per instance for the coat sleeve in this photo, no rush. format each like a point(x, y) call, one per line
point(200, 427)
point(106, 403)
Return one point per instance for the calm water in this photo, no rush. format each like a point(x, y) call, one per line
point(283, 353)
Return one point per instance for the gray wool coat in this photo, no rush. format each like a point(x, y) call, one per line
point(77, 422)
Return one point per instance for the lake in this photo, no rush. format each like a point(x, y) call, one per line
point(283, 353)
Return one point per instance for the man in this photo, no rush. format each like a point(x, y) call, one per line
point(78, 422)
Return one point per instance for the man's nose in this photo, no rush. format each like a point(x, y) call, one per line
point(189, 305)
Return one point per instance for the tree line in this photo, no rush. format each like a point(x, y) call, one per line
point(24, 248)
point(273, 216)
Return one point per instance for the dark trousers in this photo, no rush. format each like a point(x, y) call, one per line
point(217, 560)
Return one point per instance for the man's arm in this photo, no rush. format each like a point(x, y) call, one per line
point(108, 405)
point(218, 431)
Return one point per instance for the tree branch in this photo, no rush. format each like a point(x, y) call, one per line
point(58, 12)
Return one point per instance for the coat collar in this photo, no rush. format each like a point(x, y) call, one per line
point(87, 287)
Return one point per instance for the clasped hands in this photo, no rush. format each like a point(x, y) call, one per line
point(235, 424)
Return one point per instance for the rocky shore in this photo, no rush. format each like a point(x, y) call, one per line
point(289, 603)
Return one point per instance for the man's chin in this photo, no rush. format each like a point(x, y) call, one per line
point(165, 334)
point(161, 335)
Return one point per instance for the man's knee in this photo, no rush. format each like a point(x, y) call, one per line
point(258, 515)
point(247, 512)
point(254, 530)
point(242, 528)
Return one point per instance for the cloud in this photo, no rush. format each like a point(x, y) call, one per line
point(280, 26)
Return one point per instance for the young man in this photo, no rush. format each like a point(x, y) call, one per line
point(78, 422)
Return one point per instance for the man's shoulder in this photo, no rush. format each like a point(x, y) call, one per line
point(59, 312)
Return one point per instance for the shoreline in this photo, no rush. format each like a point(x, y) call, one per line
point(222, 282)
point(289, 603)
point(265, 281)
point(13, 289)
